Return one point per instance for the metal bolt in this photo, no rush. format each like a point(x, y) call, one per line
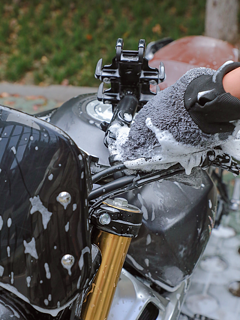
point(64, 198)
point(153, 82)
point(67, 260)
point(106, 80)
point(104, 219)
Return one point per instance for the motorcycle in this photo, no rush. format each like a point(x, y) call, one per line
point(82, 237)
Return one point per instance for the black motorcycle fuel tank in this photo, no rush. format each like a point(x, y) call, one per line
point(177, 223)
point(177, 218)
point(80, 118)
point(45, 246)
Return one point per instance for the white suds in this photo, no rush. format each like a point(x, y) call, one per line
point(37, 206)
point(14, 150)
point(143, 208)
point(1, 222)
point(146, 262)
point(8, 251)
point(30, 248)
point(28, 279)
point(210, 203)
point(121, 135)
point(79, 282)
point(1, 271)
point(74, 206)
point(153, 212)
point(12, 278)
point(48, 274)
point(80, 263)
point(9, 222)
point(145, 212)
point(50, 177)
point(148, 240)
point(171, 152)
point(179, 305)
point(136, 265)
point(67, 227)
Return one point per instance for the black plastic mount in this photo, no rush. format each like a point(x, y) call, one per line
point(129, 73)
point(122, 220)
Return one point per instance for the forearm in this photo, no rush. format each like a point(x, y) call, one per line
point(231, 82)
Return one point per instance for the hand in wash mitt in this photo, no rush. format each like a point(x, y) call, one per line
point(192, 122)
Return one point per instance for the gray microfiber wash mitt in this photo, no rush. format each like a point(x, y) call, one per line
point(164, 132)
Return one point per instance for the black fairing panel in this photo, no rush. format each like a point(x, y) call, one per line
point(37, 163)
point(11, 307)
point(177, 223)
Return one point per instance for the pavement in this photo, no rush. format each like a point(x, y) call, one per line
point(34, 99)
point(217, 276)
point(215, 287)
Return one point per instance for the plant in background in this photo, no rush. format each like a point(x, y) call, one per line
point(58, 40)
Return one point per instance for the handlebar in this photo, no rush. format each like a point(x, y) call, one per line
point(127, 183)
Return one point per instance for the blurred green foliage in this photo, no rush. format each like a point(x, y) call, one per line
point(59, 40)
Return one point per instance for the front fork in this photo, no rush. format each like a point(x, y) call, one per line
point(114, 249)
point(117, 223)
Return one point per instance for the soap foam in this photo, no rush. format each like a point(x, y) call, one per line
point(163, 133)
point(169, 152)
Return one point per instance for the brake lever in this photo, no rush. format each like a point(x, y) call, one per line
point(224, 161)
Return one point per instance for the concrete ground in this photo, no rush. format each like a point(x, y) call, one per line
point(34, 99)
point(215, 288)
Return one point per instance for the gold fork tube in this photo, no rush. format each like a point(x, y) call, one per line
point(114, 249)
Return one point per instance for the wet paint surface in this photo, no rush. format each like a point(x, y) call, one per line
point(174, 230)
point(33, 223)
